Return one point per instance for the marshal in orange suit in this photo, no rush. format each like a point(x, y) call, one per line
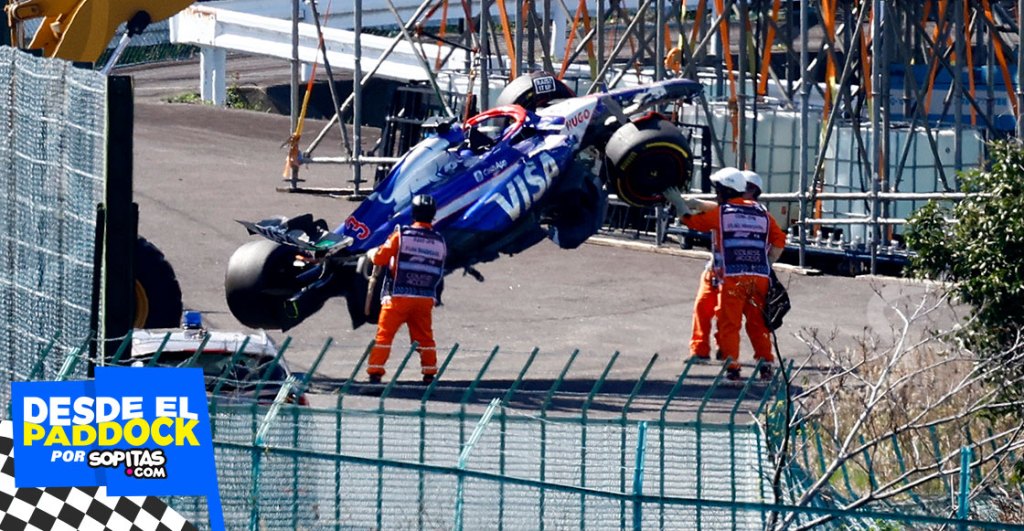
point(414, 256)
point(745, 241)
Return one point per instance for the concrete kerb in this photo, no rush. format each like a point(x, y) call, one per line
point(686, 253)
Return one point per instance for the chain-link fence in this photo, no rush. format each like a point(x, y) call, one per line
point(469, 455)
point(457, 455)
point(52, 157)
point(353, 469)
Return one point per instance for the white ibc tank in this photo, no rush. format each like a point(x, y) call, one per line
point(912, 165)
point(772, 147)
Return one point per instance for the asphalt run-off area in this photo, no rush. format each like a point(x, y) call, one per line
point(200, 168)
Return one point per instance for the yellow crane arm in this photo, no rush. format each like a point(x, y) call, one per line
point(80, 30)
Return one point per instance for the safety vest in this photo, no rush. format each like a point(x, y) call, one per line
point(744, 240)
point(420, 264)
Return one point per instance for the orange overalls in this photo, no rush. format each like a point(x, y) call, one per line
point(415, 257)
point(703, 313)
point(741, 262)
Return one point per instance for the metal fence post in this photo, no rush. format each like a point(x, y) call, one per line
point(37, 367)
point(503, 423)
point(464, 457)
point(468, 393)
point(339, 429)
point(622, 437)
point(699, 436)
point(661, 437)
point(544, 431)
point(72, 359)
point(293, 95)
point(732, 438)
point(638, 475)
point(423, 430)
point(118, 306)
point(380, 431)
point(583, 436)
point(963, 510)
point(97, 287)
point(357, 99)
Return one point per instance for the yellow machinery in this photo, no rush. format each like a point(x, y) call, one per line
point(80, 30)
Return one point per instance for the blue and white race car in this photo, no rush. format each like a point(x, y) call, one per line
point(503, 181)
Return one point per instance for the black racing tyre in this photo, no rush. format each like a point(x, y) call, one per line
point(258, 282)
point(373, 291)
point(645, 158)
point(534, 91)
point(157, 292)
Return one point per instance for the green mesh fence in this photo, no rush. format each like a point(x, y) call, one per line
point(150, 46)
point(511, 480)
point(402, 472)
point(52, 156)
point(414, 460)
point(506, 457)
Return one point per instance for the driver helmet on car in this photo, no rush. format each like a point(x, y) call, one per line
point(485, 135)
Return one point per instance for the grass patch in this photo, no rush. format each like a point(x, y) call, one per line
point(236, 98)
point(187, 97)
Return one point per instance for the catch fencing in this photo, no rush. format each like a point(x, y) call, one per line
point(469, 455)
point(52, 166)
point(151, 46)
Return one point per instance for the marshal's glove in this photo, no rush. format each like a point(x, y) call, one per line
point(674, 197)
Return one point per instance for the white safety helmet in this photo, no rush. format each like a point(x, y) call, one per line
point(754, 179)
point(730, 177)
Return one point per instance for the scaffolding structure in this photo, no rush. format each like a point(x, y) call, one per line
point(870, 106)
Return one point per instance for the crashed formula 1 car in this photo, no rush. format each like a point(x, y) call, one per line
point(503, 181)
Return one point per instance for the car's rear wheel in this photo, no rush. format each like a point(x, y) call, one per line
point(646, 157)
point(258, 282)
point(534, 91)
point(157, 292)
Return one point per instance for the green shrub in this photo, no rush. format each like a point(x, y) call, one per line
point(982, 253)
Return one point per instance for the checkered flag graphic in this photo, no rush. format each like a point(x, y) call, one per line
point(71, 509)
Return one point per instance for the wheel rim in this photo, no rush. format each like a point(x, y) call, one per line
point(141, 305)
point(631, 191)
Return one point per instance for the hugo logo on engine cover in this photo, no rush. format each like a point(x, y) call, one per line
point(578, 118)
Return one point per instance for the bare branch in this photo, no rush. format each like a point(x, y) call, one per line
point(923, 389)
